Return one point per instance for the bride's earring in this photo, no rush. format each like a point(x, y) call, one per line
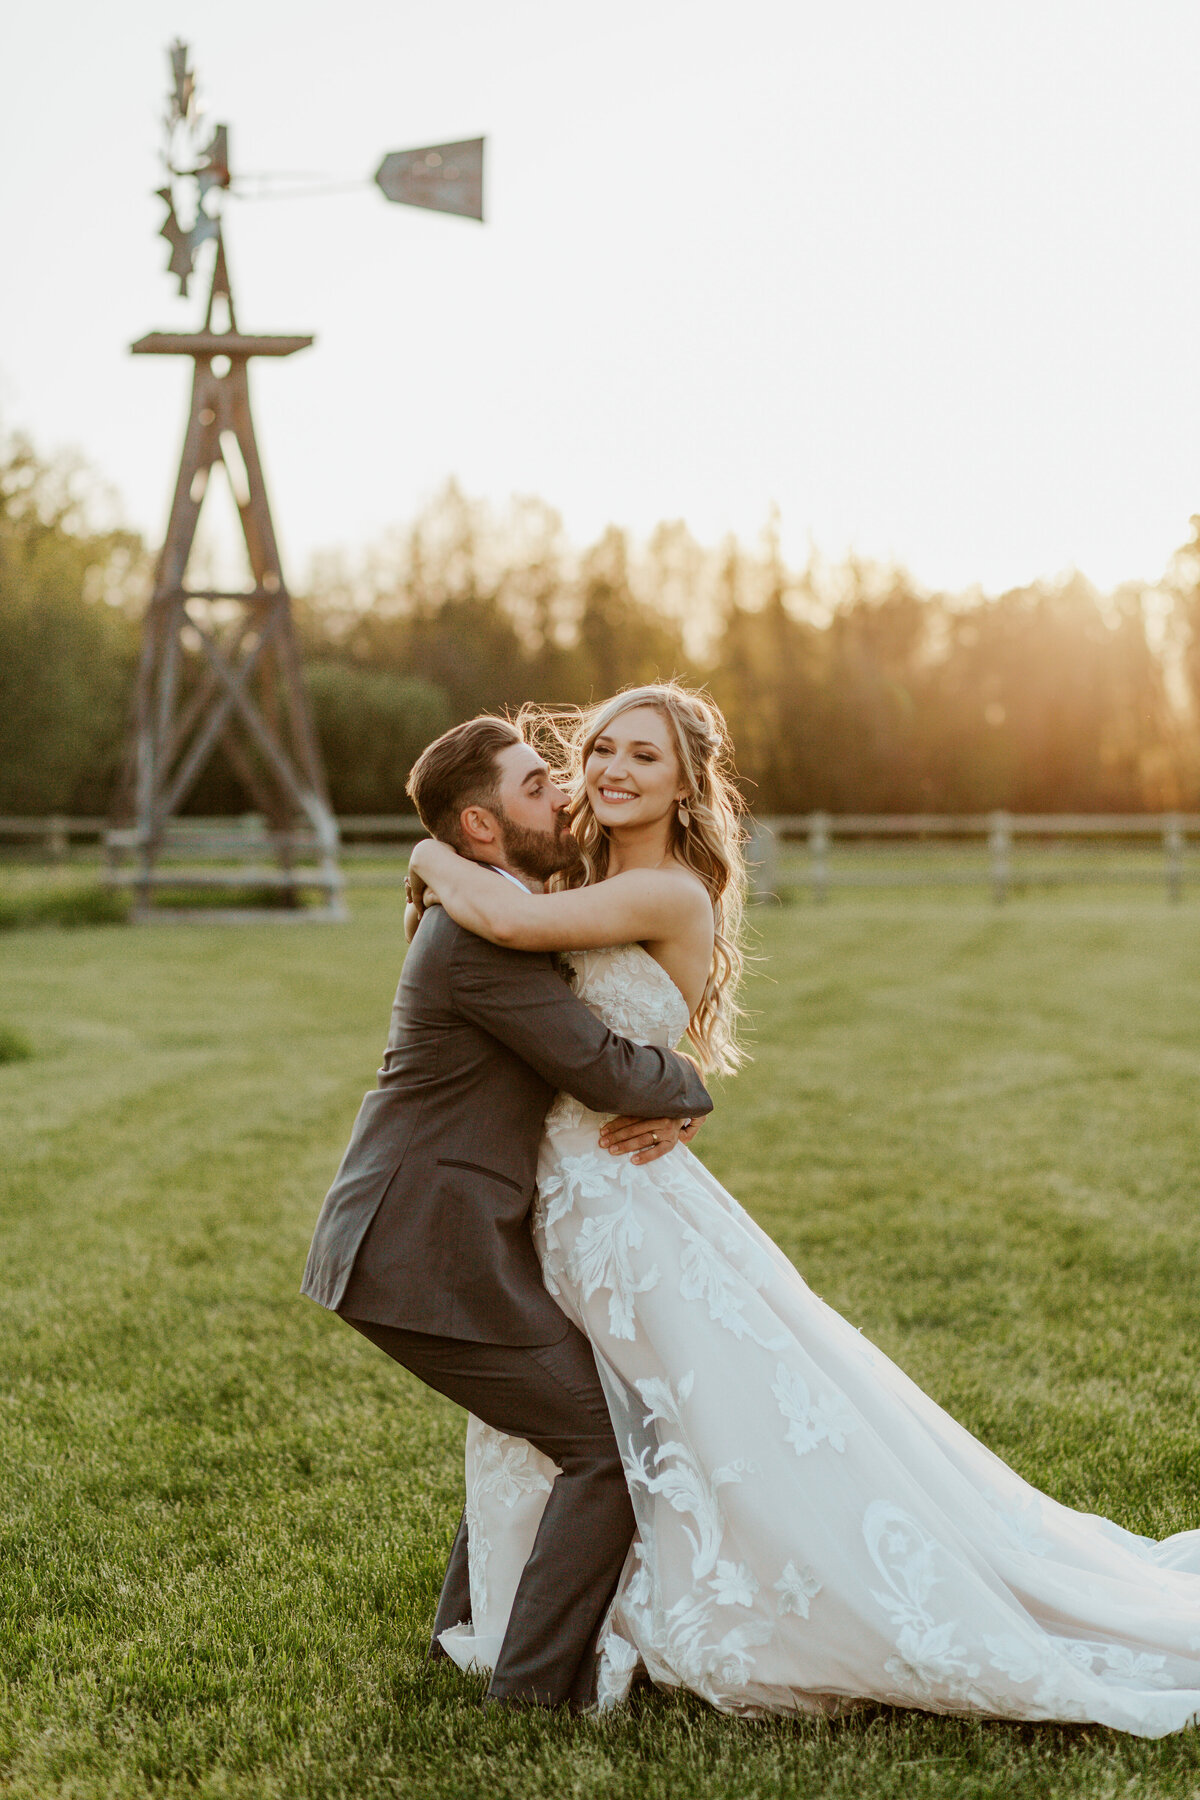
point(683, 815)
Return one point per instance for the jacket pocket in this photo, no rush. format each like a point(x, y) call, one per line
point(445, 1162)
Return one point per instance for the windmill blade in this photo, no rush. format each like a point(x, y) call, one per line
point(214, 170)
point(440, 177)
point(179, 240)
point(183, 80)
point(184, 243)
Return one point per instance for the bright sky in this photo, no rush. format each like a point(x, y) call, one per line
point(924, 275)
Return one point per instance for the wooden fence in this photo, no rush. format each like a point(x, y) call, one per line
point(999, 833)
point(54, 838)
point(817, 836)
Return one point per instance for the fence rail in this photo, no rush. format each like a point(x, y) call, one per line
point(999, 832)
point(245, 839)
point(55, 835)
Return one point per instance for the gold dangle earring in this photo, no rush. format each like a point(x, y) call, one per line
point(683, 815)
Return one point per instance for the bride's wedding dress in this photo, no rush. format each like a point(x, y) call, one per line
point(812, 1529)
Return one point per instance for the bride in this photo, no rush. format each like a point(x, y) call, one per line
point(812, 1529)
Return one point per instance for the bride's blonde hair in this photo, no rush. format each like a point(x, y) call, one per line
point(710, 844)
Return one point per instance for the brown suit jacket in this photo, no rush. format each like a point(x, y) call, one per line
point(426, 1226)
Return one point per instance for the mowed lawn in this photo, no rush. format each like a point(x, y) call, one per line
point(223, 1516)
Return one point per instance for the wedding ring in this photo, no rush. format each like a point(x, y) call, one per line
point(654, 1137)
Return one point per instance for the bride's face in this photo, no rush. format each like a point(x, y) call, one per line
point(632, 774)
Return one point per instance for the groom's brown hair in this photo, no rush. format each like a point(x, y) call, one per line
point(459, 770)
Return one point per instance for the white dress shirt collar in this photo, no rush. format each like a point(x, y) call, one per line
point(513, 878)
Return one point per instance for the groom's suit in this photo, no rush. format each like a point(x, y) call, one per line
point(423, 1244)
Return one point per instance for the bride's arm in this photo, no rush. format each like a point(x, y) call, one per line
point(637, 905)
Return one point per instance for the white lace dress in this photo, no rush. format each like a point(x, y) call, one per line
point(812, 1529)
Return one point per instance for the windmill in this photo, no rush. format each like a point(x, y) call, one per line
point(220, 668)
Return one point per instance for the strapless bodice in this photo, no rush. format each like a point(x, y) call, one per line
point(635, 997)
point(631, 993)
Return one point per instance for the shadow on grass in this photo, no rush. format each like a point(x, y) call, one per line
point(94, 905)
point(673, 1743)
point(14, 1045)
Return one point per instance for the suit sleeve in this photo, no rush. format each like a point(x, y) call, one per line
point(518, 998)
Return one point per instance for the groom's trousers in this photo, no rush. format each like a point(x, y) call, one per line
point(549, 1394)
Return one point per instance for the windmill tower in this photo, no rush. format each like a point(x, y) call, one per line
point(220, 668)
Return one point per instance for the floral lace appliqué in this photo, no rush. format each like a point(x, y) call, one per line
point(826, 1420)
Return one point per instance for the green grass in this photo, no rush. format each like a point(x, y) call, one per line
point(223, 1516)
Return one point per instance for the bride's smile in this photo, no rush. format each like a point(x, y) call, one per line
point(632, 775)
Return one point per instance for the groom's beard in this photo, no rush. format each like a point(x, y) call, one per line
point(540, 854)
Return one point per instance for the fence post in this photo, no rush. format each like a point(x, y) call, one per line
point(762, 861)
point(818, 849)
point(57, 842)
point(1173, 851)
point(999, 848)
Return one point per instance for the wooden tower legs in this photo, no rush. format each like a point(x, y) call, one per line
point(220, 667)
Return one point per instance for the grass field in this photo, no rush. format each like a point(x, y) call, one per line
point(223, 1516)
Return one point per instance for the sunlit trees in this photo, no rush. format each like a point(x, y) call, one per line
point(373, 725)
point(846, 688)
point(67, 641)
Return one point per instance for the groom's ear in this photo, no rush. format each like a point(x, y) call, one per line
point(478, 827)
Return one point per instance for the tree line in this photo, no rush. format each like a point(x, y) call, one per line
point(846, 686)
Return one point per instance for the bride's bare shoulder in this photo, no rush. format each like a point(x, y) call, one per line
point(676, 883)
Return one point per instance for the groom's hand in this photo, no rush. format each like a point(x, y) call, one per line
point(647, 1139)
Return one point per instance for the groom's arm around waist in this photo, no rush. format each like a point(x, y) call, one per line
point(518, 998)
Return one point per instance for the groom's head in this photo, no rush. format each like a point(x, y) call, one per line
point(484, 790)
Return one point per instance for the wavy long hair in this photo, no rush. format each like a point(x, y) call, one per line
point(710, 844)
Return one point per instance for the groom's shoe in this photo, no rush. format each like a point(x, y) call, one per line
point(580, 1708)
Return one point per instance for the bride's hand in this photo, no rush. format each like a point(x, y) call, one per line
point(425, 854)
point(420, 896)
point(648, 1139)
point(415, 890)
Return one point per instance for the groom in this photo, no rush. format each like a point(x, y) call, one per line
point(423, 1243)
